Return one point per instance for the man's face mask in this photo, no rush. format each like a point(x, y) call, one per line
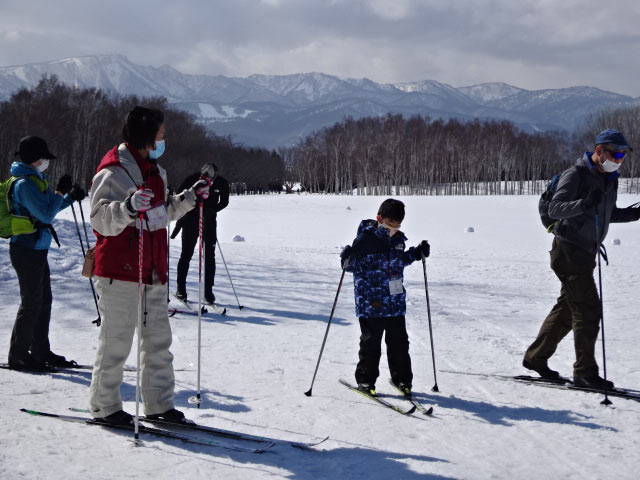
point(609, 166)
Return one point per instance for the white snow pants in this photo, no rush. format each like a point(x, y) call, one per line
point(118, 306)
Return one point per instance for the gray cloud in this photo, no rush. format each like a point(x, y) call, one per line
point(534, 45)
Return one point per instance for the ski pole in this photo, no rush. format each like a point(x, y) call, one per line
point(200, 250)
point(326, 333)
point(97, 321)
point(168, 259)
point(606, 400)
point(433, 355)
point(140, 291)
point(240, 307)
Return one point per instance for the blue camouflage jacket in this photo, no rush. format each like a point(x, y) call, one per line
point(378, 258)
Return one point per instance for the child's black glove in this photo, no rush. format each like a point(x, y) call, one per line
point(347, 252)
point(421, 249)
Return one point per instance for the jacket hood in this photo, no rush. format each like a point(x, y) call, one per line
point(19, 169)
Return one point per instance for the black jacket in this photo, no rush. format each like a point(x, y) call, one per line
point(576, 225)
point(218, 200)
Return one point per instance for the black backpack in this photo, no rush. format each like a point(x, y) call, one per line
point(545, 200)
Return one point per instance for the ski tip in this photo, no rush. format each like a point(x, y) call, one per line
point(410, 411)
point(428, 411)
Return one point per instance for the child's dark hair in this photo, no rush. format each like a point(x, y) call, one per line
point(392, 209)
point(141, 127)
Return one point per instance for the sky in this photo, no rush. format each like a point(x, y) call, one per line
point(532, 44)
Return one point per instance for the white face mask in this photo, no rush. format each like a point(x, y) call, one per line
point(392, 230)
point(43, 165)
point(609, 166)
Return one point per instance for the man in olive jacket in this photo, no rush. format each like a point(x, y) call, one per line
point(584, 204)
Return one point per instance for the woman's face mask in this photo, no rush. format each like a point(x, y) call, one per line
point(44, 164)
point(158, 151)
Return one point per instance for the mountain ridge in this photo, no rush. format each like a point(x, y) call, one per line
point(265, 110)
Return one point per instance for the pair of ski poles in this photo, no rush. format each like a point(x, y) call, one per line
point(98, 320)
point(335, 301)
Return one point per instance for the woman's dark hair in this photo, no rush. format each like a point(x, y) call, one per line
point(141, 127)
point(392, 209)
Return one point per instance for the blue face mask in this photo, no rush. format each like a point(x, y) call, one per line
point(158, 151)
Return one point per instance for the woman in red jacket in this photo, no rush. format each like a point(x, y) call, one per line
point(129, 182)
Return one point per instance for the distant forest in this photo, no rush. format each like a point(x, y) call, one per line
point(393, 154)
point(380, 155)
point(81, 125)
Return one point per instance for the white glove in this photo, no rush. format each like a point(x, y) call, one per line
point(140, 201)
point(201, 189)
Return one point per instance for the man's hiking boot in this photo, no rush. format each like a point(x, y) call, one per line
point(594, 381)
point(542, 369)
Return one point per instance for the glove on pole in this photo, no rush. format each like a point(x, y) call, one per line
point(433, 355)
point(326, 333)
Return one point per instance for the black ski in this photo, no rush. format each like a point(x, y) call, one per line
point(568, 385)
point(379, 400)
point(70, 369)
point(150, 431)
point(414, 402)
point(226, 433)
point(562, 383)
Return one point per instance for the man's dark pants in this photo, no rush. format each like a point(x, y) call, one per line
point(577, 309)
point(397, 341)
point(189, 242)
point(31, 329)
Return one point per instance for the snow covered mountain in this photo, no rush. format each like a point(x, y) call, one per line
point(272, 110)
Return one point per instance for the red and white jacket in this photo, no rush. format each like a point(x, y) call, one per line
point(121, 172)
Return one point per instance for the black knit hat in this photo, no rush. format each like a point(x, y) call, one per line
point(32, 149)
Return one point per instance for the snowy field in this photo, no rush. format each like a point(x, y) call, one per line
point(489, 291)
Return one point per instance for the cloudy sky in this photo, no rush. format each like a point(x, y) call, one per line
point(531, 44)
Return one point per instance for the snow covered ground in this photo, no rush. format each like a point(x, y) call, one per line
point(489, 290)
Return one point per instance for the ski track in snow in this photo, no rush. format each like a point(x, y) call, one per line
point(489, 292)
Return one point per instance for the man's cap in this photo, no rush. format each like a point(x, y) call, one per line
point(33, 148)
point(613, 137)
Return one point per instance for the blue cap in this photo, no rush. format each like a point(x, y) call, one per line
point(613, 137)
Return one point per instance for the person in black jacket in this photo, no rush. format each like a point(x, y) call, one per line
point(584, 205)
point(189, 224)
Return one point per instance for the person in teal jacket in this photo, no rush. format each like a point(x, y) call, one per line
point(32, 197)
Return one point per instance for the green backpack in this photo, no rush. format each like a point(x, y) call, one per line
point(10, 223)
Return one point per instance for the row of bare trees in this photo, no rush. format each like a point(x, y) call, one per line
point(81, 125)
point(396, 155)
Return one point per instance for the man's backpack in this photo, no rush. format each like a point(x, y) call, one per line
point(545, 200)
point(10, 223)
